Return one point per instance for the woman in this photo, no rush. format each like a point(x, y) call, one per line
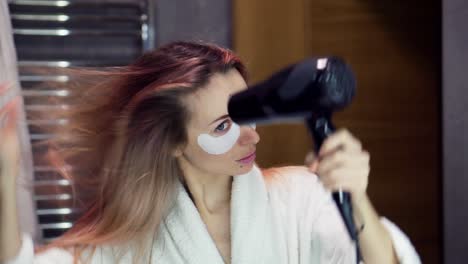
point(175, 179)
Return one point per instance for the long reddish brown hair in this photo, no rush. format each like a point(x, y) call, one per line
point(122, 129)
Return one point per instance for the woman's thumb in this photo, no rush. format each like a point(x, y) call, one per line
point(311, 161)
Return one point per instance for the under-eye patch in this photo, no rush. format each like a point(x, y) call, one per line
point(221, 144)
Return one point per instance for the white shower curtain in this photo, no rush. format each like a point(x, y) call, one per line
point(9, 75)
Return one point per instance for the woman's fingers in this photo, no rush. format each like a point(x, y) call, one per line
point(3, 89)
point(342, 139)
point(342, 164)
point(311, 161)
point(340, 158)
point(7, 106)
point(9, 115)
point(353, 178)
point(9, 145)
point(331, 161)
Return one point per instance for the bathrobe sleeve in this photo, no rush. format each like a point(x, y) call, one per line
point(52, 256)
point(329, 236)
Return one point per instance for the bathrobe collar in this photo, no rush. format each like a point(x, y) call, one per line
point(249, 202)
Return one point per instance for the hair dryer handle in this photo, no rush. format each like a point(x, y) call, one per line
point(321, 128)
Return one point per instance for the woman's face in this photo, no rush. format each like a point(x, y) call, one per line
point(216, 144)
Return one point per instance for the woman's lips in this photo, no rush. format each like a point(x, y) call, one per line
point(248, 159)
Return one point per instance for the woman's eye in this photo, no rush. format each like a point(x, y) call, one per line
point(223, 126)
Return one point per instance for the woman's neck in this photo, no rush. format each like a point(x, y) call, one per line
point(211, 194)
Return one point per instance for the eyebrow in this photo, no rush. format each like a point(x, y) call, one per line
point(219, 118)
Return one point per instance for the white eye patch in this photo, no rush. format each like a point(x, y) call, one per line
point(221, 144)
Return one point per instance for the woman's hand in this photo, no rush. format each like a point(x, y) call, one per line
point(9, 143)
point(342, 164)
point(10, 240)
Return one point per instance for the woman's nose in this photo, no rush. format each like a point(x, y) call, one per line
point(248, 135)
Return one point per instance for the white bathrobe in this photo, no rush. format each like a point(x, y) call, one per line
point(285, 217)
